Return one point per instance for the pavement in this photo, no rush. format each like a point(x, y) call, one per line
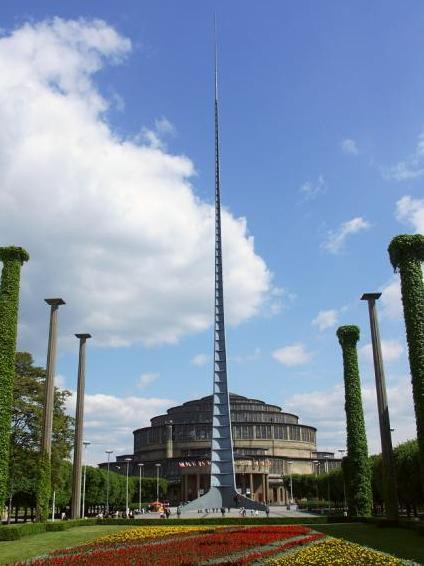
point(274, 511)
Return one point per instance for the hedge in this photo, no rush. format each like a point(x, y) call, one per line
point(406, 253)
point(218, 520)
point(358, 476)
point(65, 525)
point(12, 258)
point(15, 532)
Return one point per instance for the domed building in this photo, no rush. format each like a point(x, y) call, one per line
point(268, 444)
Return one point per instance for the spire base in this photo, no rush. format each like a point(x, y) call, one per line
point(223, 497)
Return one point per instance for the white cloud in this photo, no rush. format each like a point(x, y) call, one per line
point(349, 146)
point(109, 421)
point(293, 355)
point(276, 301)
point(155, 137)
point(60, 381)
point(112, 225)
point(410, 168)
point(200, 359)
point(311, 190)
point(246, 358)
point(324, 409)
point(391, 299)
point(392, 350)
point(411, 211)
point(146, 379)
point(326, 319)
point(164, 126)
point(336, 239)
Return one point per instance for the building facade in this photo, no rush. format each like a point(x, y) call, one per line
point(269, 445)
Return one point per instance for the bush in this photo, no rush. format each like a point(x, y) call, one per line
point(15, 532)
point(218, 520)
point(64, 525)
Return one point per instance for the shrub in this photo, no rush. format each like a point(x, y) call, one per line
point(15, 532)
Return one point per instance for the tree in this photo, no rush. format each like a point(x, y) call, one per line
point(406, 254)
point(12, 258)
point(27, 409)
point(359, 494)
point(408, 474)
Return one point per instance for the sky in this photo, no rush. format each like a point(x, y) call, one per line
point(106, 178)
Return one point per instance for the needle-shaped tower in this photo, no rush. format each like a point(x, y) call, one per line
point(222, 492)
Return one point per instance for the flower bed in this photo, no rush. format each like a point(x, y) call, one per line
point(336, 552)
point(133, 536)
point(177, 546)
point(173, 546)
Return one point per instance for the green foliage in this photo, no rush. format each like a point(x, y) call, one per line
point(27, 413)
point(65, 525)
point(43, 487)
point(320, 491)
point(406, 248)
point(358, 475)
point(15, 532)
point(96, 484)
point(12, 259)
point(217, 520)
point(408, 475)
point(406, 254)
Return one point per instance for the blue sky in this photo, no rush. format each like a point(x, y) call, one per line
point(321, 116)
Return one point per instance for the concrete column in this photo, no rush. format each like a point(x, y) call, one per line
point(252, 493)
point(46, 439)
point(169, 445)
point(390, 495)
point(79, 425)
point(185, 488)
point(197, 484)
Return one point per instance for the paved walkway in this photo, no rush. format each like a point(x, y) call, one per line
point(274, 511)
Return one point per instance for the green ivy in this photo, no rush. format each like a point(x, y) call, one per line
point(406, 254)
point(43, 487)
point(12, 258)
point(356, 466)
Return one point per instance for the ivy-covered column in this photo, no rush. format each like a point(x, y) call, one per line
point(358, 474)
point(406, 254)
point(12, 258)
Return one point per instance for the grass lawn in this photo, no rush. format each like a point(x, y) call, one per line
point(403, 543)
point(36, 545)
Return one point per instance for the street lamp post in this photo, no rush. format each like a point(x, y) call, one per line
point(390, 491)
point(127, 460)
point(316, 466)
point(290, 463)
point(85, 444)
point(140, 467)
point(108, 452)
point(157, 481)
point(342, 452)
point(327, 471)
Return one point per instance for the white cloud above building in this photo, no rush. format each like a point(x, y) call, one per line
point(112, 224)
point(326, 319)
point(292, 355)
point(349, 147)
point(411, 211)
point(336, 239)
point(324, 409)
point(392, 350)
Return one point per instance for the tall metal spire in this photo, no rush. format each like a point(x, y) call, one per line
point(222, 459)
point(222, 492)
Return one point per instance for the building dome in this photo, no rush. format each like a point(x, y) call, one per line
point(268, 445)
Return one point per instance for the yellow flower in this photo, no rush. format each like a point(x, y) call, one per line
point(335, 552)
point(139, 534)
